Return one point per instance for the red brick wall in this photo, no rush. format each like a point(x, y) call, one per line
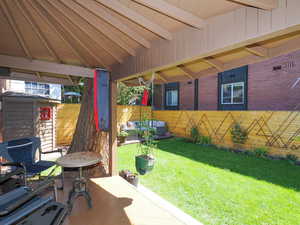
point(208, 93)
point(267, 89)
point(272, 90)
point(186, 95)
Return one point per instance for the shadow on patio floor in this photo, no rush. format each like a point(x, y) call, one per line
point(277, 172)
point(107, 208)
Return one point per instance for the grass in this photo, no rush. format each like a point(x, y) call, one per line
point(220, 187)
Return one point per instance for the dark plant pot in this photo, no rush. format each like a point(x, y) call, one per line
point(144, 164)
point(121, 139)
point(133, 179)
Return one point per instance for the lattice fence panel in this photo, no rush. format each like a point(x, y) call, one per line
point(277, 130)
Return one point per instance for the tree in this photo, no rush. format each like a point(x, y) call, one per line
point(86, 138)
point(127, 94)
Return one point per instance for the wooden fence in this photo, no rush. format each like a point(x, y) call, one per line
point(66, 121)
point(68, 113)
point(279, 131)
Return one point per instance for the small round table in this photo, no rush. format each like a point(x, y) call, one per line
point(79, 160)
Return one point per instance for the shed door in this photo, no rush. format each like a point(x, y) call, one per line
point(18, 120)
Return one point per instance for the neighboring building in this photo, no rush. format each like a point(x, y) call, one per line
point(273, 84)
point(52, 91)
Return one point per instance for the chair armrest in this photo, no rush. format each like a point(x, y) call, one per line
point(7, 176)
point(11, 164)
point(53, 151)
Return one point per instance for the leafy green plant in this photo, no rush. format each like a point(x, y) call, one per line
point(147, 135)
point(198, 138)
point(123, 134)
point(127, 94)
point(291, 158)
point(195, 135)
point(261, 152)
point(239, 135)
point(204, 140)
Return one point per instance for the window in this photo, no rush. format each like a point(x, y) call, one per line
point(35, 88)
point(232, 93)
point(172, 98)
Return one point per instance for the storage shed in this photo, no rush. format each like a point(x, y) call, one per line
point(24, 115)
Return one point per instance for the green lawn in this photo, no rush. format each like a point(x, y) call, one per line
point(220, 187)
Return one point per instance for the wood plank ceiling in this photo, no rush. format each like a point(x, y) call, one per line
point(99, 33)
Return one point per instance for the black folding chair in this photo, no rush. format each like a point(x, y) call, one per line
point(25, 206)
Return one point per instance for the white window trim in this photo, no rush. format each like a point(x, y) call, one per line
point(231, 102)
point(171, 105)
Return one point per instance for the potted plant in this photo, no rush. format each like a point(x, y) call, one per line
point(132, 178)
point(144, 162)
point(122, 136)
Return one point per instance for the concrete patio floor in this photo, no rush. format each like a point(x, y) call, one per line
point(116, 202)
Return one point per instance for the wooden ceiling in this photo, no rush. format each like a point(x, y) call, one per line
point(214, 64)
point(99, 33)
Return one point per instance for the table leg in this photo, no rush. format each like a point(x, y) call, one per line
point(79, 189)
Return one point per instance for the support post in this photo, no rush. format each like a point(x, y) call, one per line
point(113, 130)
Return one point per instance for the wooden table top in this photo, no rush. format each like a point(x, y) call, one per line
point(79, 159)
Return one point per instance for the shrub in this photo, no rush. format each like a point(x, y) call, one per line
point(197, 138)
point(261, 152)
point(205, 140)
point(195, 135)
point(292, 158)
point(123, 134)
point(238, 134)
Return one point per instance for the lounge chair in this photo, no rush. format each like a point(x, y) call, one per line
point(23, 151)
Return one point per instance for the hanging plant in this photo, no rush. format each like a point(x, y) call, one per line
point(144, 162)
point(238, 134)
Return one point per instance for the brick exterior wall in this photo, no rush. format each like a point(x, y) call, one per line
point(267, 89)
point(208, 93)
point(272, 90)
point(186, 95)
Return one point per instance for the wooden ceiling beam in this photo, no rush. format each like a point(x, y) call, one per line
point(261, 4)
point(96, 9)
point(136, 18)
point(161, 76)
point(9, 17)
point(78, 23)
point(36, 29)
point(173, 12)
point(43, 66)
point(70, 79)
point(214, 63)
point(258, 50)
point(33, 77)
point(97, 23)
point(58, 31)
point(186, 72)
point(66, 29)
